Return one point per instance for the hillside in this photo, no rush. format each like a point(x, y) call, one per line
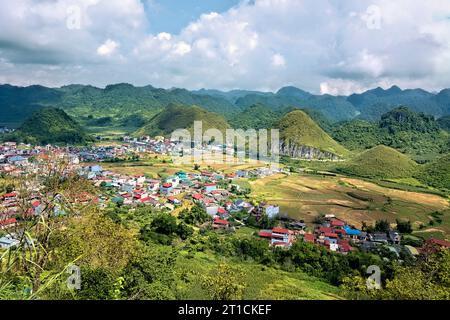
point(301, 137)
point(380, 162)
point(17, 103)
point(334, 108)
point(413, 133)
point(444, 123)
point(256, 116)
point(50, 125)
point(181, 117)
point(437, 173)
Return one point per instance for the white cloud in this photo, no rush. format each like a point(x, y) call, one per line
point(182, 48)
point(342, 87)
point(278, 60)
point(108, 48)
point(318, 45)
point(164, 36)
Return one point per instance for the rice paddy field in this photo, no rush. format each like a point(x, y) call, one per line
point(304, 196)
point(161, 165)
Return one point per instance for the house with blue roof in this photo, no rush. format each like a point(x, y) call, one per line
point(182, 175)
point(8, 241)
point(352, 233)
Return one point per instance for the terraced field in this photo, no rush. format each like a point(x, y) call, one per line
point(305, 196)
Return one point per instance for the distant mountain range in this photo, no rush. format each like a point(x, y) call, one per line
point(125, 104)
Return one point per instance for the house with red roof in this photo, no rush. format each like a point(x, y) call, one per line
point(231, 176)
point(309, 237)
point(336, 223)
point(197, 196)
point(265, 234)
point(344, 246)
point(278, 237)
point(9, 196)
point(146, 200)
point(8, 223)
point(166, 189)
point(220, 223)
point(173, 200)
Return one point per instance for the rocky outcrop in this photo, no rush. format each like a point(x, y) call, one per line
point(305, 152)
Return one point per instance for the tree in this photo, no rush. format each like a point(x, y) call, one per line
point(319, 219)
point(150, 275)
point(382, 226)
point(96, 241)
point(224, 283)
point(164, 223)
point(255, 248)
point(195, 215)
point(184, 231)
point(96, 284)
point(265, 222)
point(404, 226)
point(36, 258)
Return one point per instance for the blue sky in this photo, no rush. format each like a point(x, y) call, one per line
point(173, 15)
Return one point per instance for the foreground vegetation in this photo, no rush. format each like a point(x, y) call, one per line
point(140, 253)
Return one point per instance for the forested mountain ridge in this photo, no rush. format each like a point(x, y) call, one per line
point(122, 101)
point(413, 133)
point(84, 103)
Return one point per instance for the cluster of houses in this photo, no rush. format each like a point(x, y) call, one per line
point(213, 191)
point(148, 144)
point(22, 159)
point(210, 190)
point(338, 236)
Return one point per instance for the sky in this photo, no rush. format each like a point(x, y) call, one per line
point(323, 46)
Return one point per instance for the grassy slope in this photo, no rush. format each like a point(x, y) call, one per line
point(381, 162)
point(437, 173)
point(298, 128)
point(261, 282)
